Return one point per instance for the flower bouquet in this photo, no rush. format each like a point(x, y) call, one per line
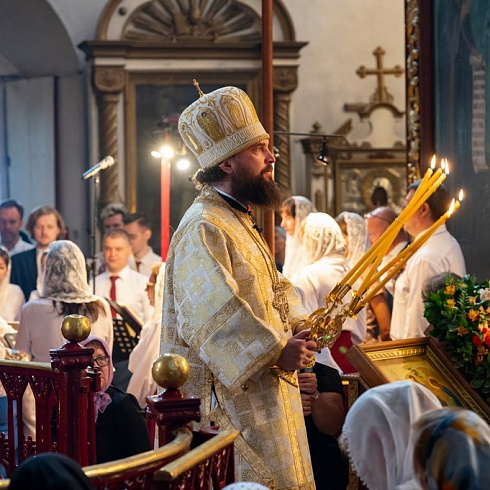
point(459, 313)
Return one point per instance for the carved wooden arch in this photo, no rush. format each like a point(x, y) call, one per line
point(156, 30)
point(113, 7)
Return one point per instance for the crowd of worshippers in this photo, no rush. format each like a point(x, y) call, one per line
point(237, 314)
point(44, 277)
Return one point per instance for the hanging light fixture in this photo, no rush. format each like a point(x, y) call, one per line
point(324, 155)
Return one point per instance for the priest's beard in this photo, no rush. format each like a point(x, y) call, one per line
point(258, 190)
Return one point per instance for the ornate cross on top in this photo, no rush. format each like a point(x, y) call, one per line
point(381, 94)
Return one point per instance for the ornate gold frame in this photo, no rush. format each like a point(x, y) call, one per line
point(388, 361)
point(420, 124)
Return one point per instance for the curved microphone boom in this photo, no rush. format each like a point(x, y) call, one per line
point(102, 165)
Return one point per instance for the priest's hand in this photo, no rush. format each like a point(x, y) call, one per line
point(297, 352)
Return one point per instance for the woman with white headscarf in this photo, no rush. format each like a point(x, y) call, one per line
point(378, 436)
point(147, 350)
point(11, 296)
point(356, 236)
point(324, 248)
point(65, 291)
point(294, 210)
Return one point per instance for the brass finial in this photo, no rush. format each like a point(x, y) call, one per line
point(75, 328)
point(170, 371)
point(196, 84)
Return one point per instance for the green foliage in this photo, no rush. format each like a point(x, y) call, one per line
point(460, 314)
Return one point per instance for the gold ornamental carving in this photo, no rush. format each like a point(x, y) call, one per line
point(412, 26)
point(198, 21)
point(109, 79)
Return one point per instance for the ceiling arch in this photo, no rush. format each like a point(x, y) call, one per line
point(33, 41)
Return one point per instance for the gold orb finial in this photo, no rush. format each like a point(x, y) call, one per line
point(75, 328)
point(170, 371)
point(196, 84)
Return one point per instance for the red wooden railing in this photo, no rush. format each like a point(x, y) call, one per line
point(64, 406)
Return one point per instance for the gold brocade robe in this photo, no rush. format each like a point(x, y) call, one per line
point(218, 314)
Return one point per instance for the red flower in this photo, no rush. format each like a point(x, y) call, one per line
point(477, 340)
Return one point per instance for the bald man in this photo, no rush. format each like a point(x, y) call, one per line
point(377, 222)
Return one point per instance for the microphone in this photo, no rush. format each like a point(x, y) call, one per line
point(102, 165)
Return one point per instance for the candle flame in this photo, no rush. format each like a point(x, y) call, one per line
point(451, 207)
point(446, 166)
point(433, 162)
point(461, 195)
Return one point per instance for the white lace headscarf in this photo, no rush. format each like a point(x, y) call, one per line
point(357, 236)
point(378, 436)
point(322, 237)
point(294, 258)
point(65, 274)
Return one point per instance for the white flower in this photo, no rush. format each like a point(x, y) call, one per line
point(485, 294)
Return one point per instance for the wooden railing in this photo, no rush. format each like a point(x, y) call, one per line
point(62, 402)
point(65, 423)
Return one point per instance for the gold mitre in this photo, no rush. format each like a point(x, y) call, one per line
point(219, 125)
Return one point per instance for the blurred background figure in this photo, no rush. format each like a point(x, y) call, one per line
point(293, 212)
point(452, 450)
point(279, 247)
point(11, 296)
point(13, 238)
point(147, 350)
point(45, 224)
point(138, 228)
point(378, 436)
point(355, 233)
point(112, 216)
point(324, 248)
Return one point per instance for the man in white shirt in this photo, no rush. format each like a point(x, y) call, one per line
point(11, 215)
point(126, 287)
point(137, 226)
point(441, 253)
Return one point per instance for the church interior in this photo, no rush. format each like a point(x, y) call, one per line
point(380, 85)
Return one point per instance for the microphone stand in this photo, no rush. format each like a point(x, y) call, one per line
point(93, 231)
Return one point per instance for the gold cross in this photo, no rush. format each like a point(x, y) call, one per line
point(381, 94)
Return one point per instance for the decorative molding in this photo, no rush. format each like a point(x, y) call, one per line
point(201, 21)
point(412, 33)
point(285, 78)
point(109, 79)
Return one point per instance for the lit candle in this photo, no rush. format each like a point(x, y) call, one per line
point(425, 189)
point(403, 256)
